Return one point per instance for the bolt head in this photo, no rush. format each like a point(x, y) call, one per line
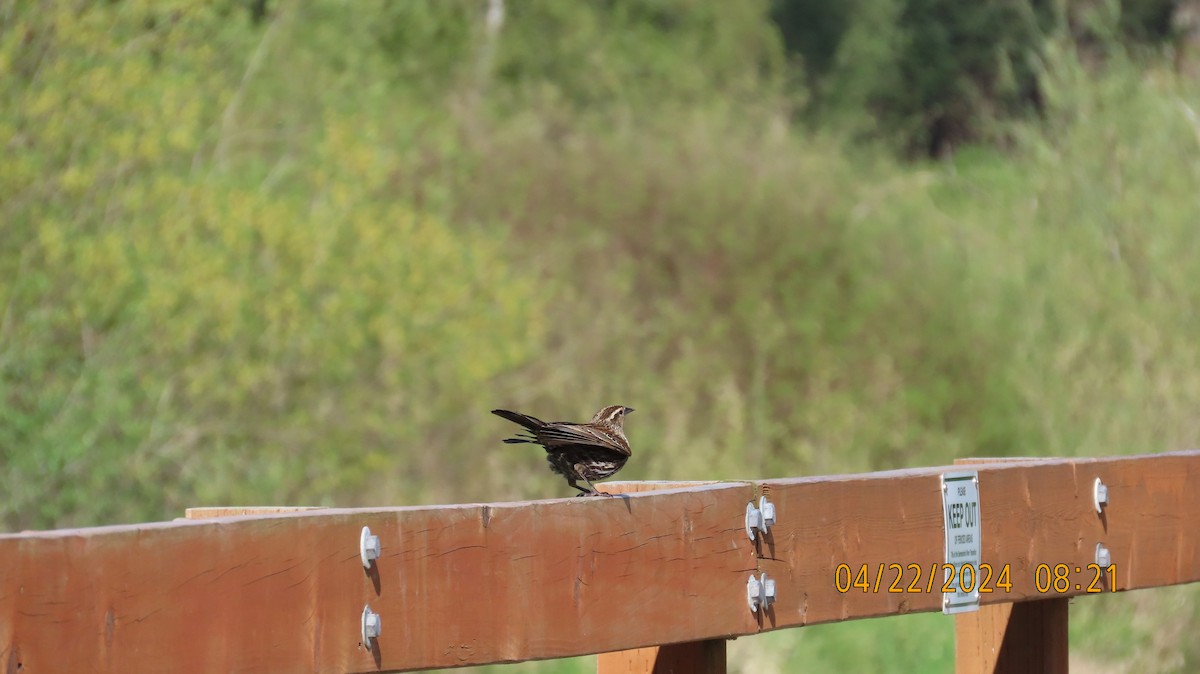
point(768, 590)
point(368, 547)
point(1099, 495)
point(753, 593)
point(753, 520)
point(767, 514)
point(371, 626)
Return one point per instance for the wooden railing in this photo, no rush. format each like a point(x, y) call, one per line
point(657, 575)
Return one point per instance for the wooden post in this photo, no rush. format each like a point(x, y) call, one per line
point(701, 657)
point(1027, 637)
point(1009, 638)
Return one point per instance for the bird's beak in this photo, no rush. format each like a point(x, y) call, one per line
point(628, 410)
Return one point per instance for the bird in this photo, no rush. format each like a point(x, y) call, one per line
point(585, 452)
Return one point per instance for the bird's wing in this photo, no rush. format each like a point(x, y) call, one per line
point(556, 436)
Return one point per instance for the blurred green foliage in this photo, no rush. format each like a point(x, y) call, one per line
point(291, 253)
point(187, 321)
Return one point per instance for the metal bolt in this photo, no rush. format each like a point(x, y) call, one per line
point(372, 625)
point(368, 547)
point(1103, 556)
point(761, 518)
point(1099, 494)
point(759, 592)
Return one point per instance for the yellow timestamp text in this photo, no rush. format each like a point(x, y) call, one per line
point(915, 579)
point(984, 578)
point(1065, 578)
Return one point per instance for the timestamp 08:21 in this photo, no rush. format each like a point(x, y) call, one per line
point(915, 578)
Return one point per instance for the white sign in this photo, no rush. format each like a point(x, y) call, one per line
point(960, 500)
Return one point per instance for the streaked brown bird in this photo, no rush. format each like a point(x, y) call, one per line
point(587, 452)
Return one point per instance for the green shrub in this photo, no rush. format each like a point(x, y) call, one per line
point(179, 331)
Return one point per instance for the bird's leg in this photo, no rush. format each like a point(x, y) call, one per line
point(592, 491)
point(585, 492)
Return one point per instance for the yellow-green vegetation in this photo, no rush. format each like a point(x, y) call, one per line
point(294, 256)
point(187, 321)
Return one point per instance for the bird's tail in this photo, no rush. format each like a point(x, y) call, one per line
point(528, 422)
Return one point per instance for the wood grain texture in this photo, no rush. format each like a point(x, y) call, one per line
point(1023, 638)
point(694, 657)
point(632, 661)
point(483, 583)
point(640, 486)
point(455, 585)
point(1036, 512)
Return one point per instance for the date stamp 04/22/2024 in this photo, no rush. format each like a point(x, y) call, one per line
point(915, 578)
